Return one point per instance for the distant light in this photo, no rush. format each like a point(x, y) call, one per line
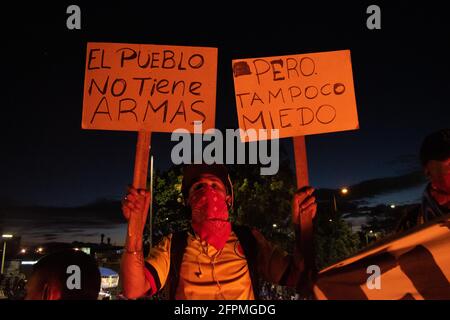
point(28, 262)
point(344, 190)
point(274, 225)
point(370, 231)
point(7, 236)
point(331, 220)
point(23, 251)
point(393, 206)
point(76, 249)
point(40, 250)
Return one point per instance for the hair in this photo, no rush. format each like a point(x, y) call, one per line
point(435, 146)
point(52, 269)
point(192, 172)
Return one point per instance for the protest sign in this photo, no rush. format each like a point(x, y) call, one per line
point(298, 94)
point(154, 88)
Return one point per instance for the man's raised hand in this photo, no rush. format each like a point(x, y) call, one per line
point(303, 202)
point(135, 207)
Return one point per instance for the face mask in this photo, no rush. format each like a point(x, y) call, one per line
point(210, 216)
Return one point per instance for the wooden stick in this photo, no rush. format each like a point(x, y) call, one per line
point(150, 219)
point(301, 162)
point(306, 226)
point(301, 170)
point(141, 160)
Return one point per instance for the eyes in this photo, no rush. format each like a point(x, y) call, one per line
point(215, 185)
point(197, 186)
point(200, 185)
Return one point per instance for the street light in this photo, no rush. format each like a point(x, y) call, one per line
point(343, 191)
point(4, 236)
point(274, 225)
point(392, 206)
point(23, 251)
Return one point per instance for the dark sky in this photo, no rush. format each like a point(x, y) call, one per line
point(401, 76)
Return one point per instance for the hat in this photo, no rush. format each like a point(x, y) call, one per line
point(435, 146)
point(192, 171)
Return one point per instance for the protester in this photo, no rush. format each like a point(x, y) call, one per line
point(435, 159)
point(54, 277)
point(215, 259)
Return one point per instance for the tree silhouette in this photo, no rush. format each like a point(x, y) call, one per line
point(263, 202)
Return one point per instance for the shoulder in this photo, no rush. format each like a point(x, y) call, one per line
point(161, 244)
point(162, 239)
point(171, 237)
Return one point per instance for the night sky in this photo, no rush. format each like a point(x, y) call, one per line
point(401, 76)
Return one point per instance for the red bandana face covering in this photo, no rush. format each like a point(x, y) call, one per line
point(210, 216)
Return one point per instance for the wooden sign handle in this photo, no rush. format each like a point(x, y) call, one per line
point(301, 162)
point(306, 225)
point(141, 160)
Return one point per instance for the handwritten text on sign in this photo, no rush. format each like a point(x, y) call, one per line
point(149, 87)
point(297, 94)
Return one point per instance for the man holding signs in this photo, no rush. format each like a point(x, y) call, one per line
point(154, 88)
point(148, 88)
point(214, 259)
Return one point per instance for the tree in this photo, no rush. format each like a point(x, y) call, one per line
point(334, 240)
point(263, 202)
point(169, 213)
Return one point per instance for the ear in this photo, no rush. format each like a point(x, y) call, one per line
point(228, 201)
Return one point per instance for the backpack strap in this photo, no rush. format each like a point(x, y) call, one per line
point(250, 247)
point(177, 249)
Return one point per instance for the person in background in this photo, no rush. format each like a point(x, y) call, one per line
point(435, 159)
point(54, 277)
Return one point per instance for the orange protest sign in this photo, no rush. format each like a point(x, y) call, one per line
point(298, 94)
point(153, 88)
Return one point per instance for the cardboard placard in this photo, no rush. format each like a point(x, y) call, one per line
point(300, 94)
point(153, 88)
